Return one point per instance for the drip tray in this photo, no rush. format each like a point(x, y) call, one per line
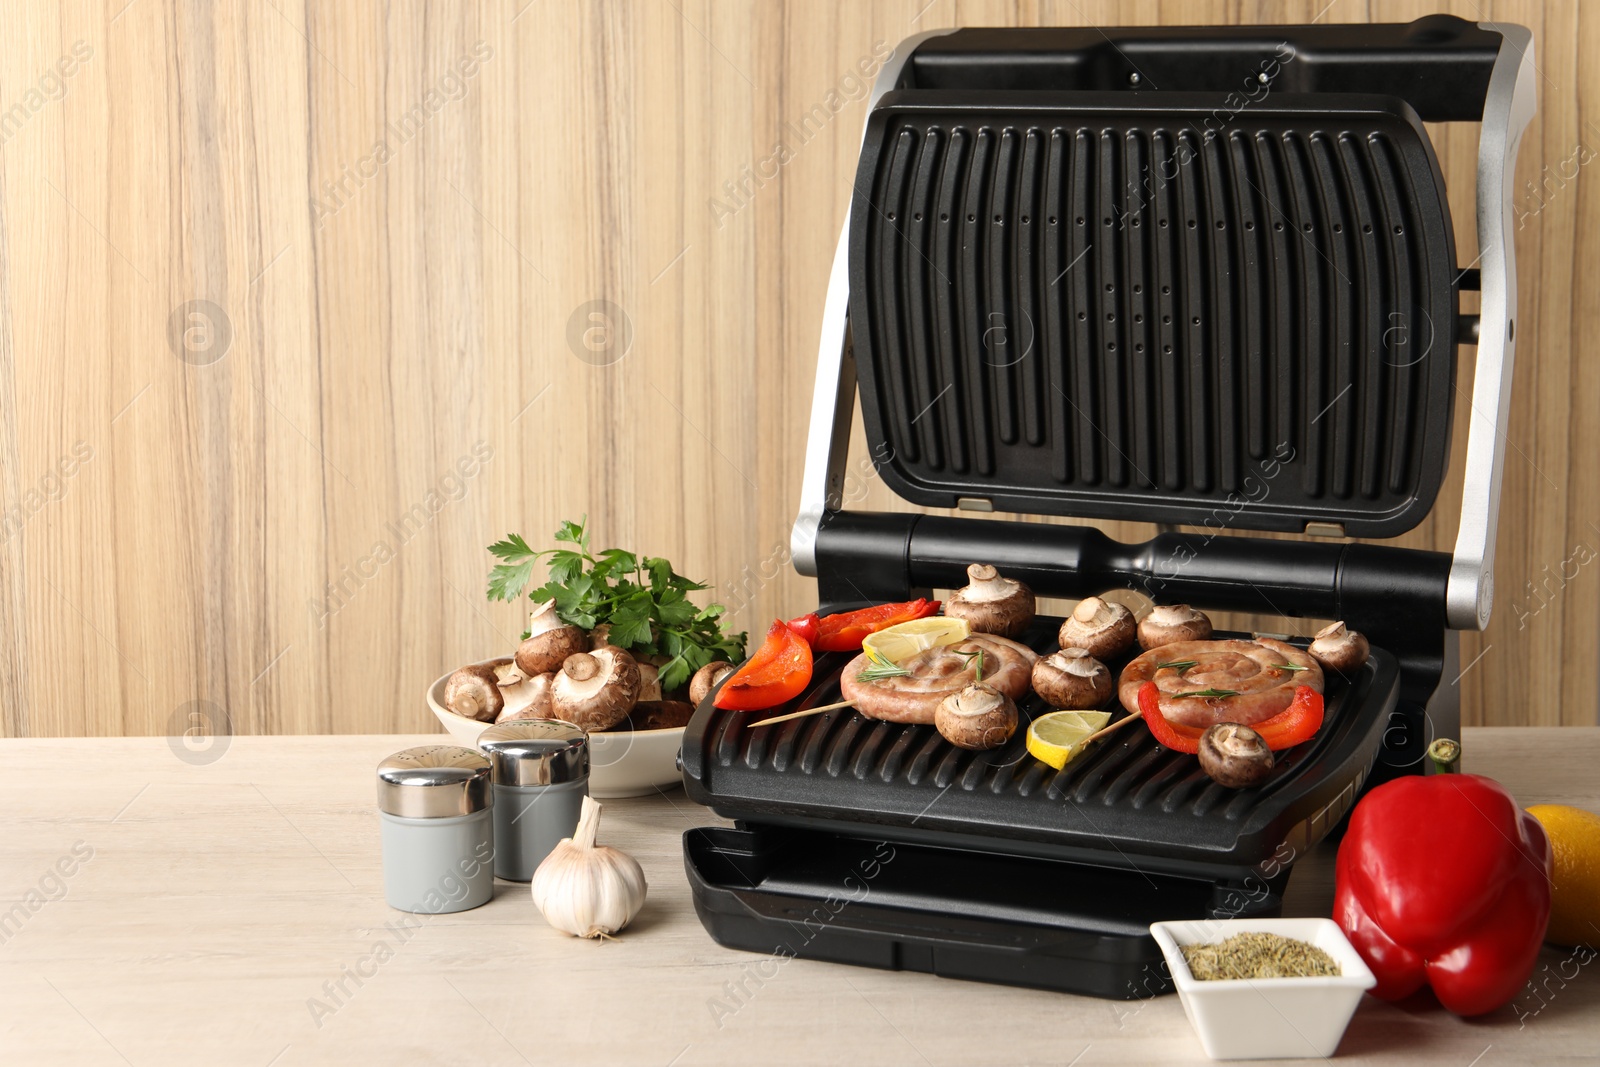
point(1044, 924)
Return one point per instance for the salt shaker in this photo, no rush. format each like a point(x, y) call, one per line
point(540, 770)
point(438, 834)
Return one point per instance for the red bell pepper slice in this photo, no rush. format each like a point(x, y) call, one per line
point(1298, 722)
point(843, 632)
point(806, 627)
point(1174, 735)
point(778, 672)
point(1444, 881)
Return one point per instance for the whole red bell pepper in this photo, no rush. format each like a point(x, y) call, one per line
point(778, 672)
point(1444, 881)
point(843, 631)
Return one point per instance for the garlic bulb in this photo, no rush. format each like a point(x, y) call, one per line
point(585, 889)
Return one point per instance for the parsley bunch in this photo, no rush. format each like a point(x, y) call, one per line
point(643, 600)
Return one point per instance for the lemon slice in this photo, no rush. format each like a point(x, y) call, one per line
point(898, 643)
point(1056, 738)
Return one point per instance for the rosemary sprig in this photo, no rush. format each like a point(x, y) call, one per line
point(1209, 693)
point(878, 668)
point(978, 673)
point(1289, 667)
point(1179, 665)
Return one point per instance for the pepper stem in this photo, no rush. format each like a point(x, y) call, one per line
point(1446, 754)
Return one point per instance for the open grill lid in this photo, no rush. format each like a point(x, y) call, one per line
point(1086, 304)
point(1173, 273)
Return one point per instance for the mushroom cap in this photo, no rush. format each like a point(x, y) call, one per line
point(1337, 648)
point(1102, 628)
point(1234, 755)
point(546, 650)
point(706, 678)
point(991, 604)
point(543, 618)
point(976, 718)
point(1072, 678)
point(474, 691)
point(595, 690)
point(649, 681)
point(1167, 623)
point(937, 673)
point(530, 700)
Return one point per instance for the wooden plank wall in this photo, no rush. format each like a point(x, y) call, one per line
point(302, 304)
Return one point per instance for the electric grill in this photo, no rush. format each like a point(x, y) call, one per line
point(1198, 276)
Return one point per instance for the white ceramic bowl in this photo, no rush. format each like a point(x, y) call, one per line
point(1266, 1018)
point(629, 764)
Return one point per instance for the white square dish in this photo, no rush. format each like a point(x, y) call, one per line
point(1266, 1018)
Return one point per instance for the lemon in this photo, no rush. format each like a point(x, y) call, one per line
point(898, 643)
point(1056, 738)
point(1575, 894)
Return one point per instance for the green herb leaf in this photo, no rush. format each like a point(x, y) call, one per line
point(1209, 693)
point(1289, 667)
point(641, 598)
point(968, 656)
point(506, 581)
point(513, 549)
point(1179, 665)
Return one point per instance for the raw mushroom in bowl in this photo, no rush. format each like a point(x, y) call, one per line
point(596, 690)
point(549, 642)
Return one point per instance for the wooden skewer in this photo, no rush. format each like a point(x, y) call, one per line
point(1113, 728)
point(802, 714)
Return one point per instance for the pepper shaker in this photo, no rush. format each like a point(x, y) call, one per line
point(540, 771)
point(438, 834)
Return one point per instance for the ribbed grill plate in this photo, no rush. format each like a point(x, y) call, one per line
point(1090, 306)
point(1126, 798)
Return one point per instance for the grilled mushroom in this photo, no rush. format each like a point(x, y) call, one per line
point(706, 678)
point(474, 692)
point(1167, 623)
point(1234, 756)
point(1339, 649)
point(549, 642)
point(992, 604)
point(1102, 628)
point(595, 690)
point(1072, 678)
point(976, 718)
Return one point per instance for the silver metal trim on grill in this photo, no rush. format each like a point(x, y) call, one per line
point(1507, 107)
point(828, 440)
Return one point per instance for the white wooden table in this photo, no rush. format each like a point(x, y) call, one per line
point(232, 913)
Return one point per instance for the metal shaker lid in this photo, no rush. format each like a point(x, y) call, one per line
point(434, 782)
point(525, 752)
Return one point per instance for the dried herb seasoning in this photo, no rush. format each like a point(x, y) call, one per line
point(1258, 955)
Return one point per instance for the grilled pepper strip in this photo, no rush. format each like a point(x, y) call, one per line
point(806, 627)
point(844, 631)
point(1444, 881)
point(1298, 722)
point(777, 673)
point(1175, 735)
